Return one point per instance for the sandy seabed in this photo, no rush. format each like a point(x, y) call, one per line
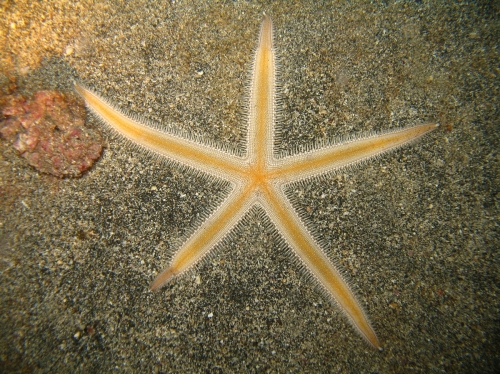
point(415, 231)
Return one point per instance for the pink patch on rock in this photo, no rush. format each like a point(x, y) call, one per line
point(49, 132)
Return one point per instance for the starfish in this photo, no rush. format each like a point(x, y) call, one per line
point(258, 178)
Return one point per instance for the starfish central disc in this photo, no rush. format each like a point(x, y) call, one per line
point(259, 176)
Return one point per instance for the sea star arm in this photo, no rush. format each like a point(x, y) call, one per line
point(347, 153)
point(211, 232)
point(154, 139)
point(305, 247)
point(262, 98)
